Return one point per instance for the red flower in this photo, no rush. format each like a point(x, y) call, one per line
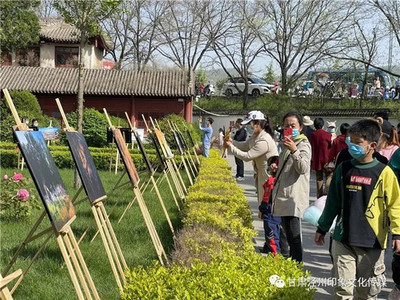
point(23, 194)
point(17, 176)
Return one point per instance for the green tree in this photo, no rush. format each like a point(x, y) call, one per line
point(19, 25)
point(86, 17)
point(201, 76)
point(270, 76)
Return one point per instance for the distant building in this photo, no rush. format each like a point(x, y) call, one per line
point(59, 48)
point(152, 93)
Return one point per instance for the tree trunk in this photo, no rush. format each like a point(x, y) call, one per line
point(81, 85)
point(364, 89)
point(284, 87)
point(246, 94)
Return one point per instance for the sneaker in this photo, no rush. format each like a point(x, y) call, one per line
point(239, 178)
point(394, 294)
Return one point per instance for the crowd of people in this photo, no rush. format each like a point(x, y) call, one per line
point(357, 170)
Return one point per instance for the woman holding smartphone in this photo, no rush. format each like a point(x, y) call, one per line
point(259, 148)
point(290, 196)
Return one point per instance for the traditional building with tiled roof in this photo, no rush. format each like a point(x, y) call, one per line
point(154, 93)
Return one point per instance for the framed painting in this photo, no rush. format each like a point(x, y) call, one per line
point(84, 163)
point(190, 137)
point(178, 142)
point(126, 157)
point(158, 150)
point(163, 142)
point(50, 133)
point(46, 177)
point(183, 141)
point(144, 154)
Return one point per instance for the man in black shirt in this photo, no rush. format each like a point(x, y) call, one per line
point(240, 136)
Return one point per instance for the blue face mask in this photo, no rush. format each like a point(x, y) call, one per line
point(331, 130)
point(295, 133)
point(356, 151)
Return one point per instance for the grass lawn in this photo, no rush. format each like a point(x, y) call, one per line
point(48, 277)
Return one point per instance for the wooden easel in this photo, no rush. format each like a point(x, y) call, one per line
point(186, 150)
point(171, 159)
point(185, 165)
point(146, 215)
point(110, 242)
point(195, 147)
point(5, 293)
point(169, 165)
point(151, 173)
point(65, 238)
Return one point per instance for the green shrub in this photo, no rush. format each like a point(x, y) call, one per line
point(230, 277)
point(214, 256)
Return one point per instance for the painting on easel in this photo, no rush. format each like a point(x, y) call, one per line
point(90, 177)
point(46, 177)
point(158, 150)
point(178, 142)
point(144, 154)
point(126, 157)
point(163, 142)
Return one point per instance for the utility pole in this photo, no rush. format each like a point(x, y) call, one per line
point(390, 50)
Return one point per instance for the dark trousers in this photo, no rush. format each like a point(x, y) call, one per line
point(272, 232)
point(396, 268)
point(239, 167)
point(291, 228)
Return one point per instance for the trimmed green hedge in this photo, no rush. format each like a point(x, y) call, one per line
point(214, 255)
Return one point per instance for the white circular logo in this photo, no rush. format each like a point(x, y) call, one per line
point(277, 281)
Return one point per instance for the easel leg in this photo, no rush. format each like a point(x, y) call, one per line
point(193, 163)
point(150, 226)
point(187, 171)
point(172, 190)
point(175, 180)
point(83, 264)
point(197, 157)
point(179, 176)
point(106, 245)
point(114, 238)
point(163, 206)
point(69, 267)
point(75, 263)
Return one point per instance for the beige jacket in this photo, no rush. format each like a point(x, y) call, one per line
point(258, 149)
point(290, 196)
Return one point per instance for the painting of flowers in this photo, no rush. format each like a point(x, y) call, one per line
point(46, 177)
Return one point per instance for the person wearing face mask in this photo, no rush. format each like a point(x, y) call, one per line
point(25, 120)
point(363, 193)
point(208, 131)
point(321, 142)
point(259, 148)
point(290, 195)
point(35, 125)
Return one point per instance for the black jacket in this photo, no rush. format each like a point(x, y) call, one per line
point(240, 135)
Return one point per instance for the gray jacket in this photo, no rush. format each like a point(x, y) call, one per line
point(290, 196)
point(258, 149)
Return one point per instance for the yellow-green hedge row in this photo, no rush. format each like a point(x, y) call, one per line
point(214, 255)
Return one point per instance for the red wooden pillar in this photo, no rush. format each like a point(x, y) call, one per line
point(132, 112)
point(188, 110)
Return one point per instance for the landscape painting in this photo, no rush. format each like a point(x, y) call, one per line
point(126, 157)
point(158, 150)
point(163, 143)
point(84, 162)
point(144, 154)
point(50, 133)
point(47, 179)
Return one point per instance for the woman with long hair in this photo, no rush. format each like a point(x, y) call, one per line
point(389, 141)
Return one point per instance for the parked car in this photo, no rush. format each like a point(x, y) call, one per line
point(256, 87)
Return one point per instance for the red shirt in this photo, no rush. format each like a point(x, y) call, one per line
point(338, 145)
point(320, 142)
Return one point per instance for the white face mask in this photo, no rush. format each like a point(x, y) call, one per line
point(35, 124)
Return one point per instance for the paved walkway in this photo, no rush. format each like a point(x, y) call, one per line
point(316, 258)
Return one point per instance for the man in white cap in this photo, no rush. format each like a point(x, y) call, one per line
point(307, 123)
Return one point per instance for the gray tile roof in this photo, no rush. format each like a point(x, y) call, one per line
point(57, 31)
point(172, 83)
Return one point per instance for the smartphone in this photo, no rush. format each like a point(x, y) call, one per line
point(287, 133)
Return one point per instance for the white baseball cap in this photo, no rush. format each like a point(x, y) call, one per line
point(253, 115)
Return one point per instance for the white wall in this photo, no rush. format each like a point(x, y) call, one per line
point(47, 55)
